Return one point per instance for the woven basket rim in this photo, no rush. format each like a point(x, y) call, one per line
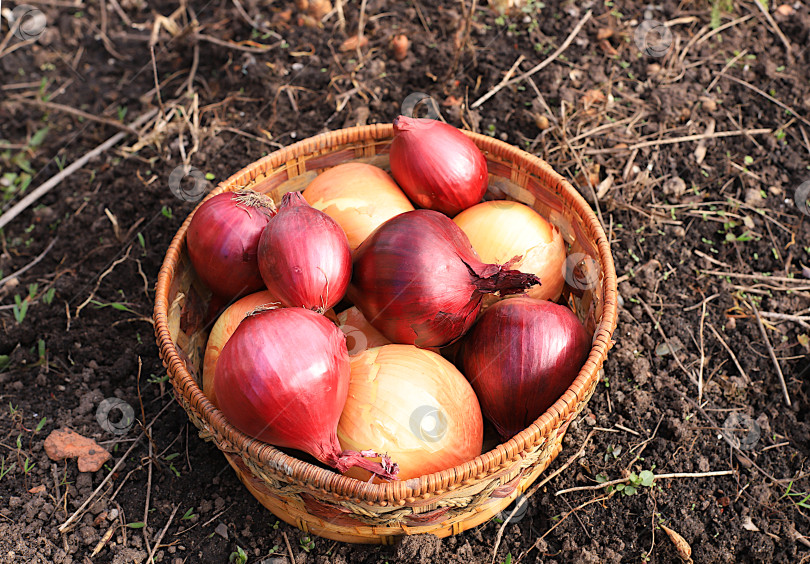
point(398, 492)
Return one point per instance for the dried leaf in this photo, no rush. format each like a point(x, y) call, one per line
point(592, 97)
point(700, 152)
point(748, 525)
point(785, 10)
point(604, 33)
point(683, 548)
point(608, 49)
point(353, 43)
point(604, 187)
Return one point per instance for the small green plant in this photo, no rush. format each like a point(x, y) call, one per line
point(645, 479)
point(169, 459)
point(166, 211)
point(28, 465)
point(508, 559)
point(307, 544)
point(115, 305)
point(803, 503)
point(48, 296)
point(188, 514)
point(41, 425)
point(136, 525)
point(718, 7)
point(4, 470)
point(238, 556)
point(155, 379)
point(20, 308)
point(613, 452)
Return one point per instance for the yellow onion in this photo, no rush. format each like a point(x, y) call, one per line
point(413, 405)
point(226, 324)
point(359, 197)
point(360, 335)
point(502, 230)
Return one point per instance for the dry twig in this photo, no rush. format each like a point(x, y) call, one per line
point(657, 477)
point(76, 112)
point(767, 97)
point(162, 534)
point(48, 185)
point(730, 352)
point(774, 25)
point(773, 355)
point(538, 67)
point(30, 264)
point(524, 499)
point(80, 511)
point(657, 324)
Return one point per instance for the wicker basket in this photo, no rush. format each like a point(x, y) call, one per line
point(323, 502)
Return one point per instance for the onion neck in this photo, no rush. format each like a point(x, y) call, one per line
point(293, 199)
point(404, 123)
point(252, 199)
point(341, 461)
point(493, 278)
point(386, 468)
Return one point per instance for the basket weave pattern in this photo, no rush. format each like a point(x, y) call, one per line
point(321, 501)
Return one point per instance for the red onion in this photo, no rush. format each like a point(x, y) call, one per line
point(304, 256)
point(520, 358)
point(283, 378)
point(418, 281)
point(223, 239)
point(436, 165)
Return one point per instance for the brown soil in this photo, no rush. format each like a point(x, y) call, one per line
point(671, 215)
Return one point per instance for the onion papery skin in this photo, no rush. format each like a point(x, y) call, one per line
point(360, 335)
point(223, 239)
point(520, 358)
point(304, 256)
point(222, 330)
point(414, 405)
point(501, 230)
point(417, 280)
point(283, 378)
point(436, 165)
point(359, 197)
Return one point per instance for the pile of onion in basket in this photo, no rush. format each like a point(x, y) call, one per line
point(352, 302)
